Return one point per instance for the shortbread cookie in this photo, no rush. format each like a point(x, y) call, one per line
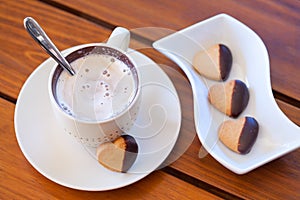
point(230, 98)
point(239, 135)
point(118, 155)
point(214, 63)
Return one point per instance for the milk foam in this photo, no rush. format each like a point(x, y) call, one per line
point(102, 87)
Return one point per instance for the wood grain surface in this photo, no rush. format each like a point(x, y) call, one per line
point(189, 172)
point(269, 19)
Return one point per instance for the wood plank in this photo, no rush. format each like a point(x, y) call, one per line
point(278, 179)
point(292, 112)
point(19, 180)
point(276, 22)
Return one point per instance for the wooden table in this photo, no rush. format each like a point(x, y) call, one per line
point(74, 22)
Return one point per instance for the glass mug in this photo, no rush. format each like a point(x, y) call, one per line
point(101, 101)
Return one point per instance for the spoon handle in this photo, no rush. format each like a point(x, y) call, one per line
point(41, 37)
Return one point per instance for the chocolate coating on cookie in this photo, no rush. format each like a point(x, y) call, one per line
point(240, 98)
point(131, 151)
point(225, 61)
point(248, 135)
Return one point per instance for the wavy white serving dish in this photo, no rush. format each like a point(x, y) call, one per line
point(277, 134)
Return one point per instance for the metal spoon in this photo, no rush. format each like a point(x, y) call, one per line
point(41, 37)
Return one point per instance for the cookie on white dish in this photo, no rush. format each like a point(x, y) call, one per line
point(214, 63)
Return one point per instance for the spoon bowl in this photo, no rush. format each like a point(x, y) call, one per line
point(277, 135)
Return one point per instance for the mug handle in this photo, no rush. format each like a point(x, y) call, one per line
point(119, 38)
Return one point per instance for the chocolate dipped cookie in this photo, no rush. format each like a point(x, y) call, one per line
point(214, 63)
point(230, 98)
point(118, 155)
point(239, 135)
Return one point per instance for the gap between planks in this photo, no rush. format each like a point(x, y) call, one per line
point(200, 184)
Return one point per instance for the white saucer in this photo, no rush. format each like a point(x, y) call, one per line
point(277, 134)
point(60, 158)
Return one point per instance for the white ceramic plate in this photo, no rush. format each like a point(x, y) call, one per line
point(277, 134)
point(60, 158)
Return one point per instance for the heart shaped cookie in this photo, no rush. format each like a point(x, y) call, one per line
point(239, 135)
point(230, 98)
point(118, 155)
point(214, 63)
